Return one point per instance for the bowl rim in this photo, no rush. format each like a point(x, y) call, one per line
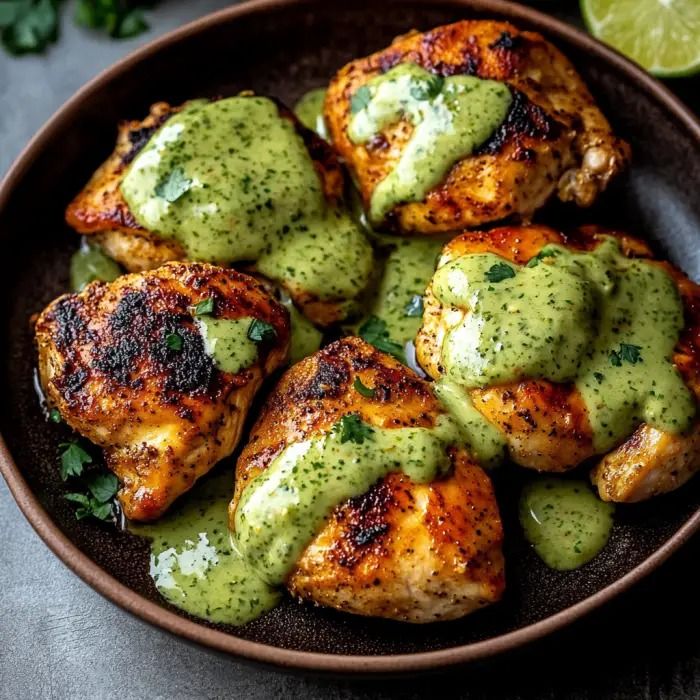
point(131, 601)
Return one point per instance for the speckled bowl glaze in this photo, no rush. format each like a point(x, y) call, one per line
point(284, 48)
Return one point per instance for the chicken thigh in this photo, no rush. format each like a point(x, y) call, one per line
point(134, 366)
point(405, 550)
point(545, 424)
point(534, 129)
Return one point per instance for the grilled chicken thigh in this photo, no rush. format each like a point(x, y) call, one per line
point(403, 550)
point(545, 424)
point(554, 139)
point(100, 209)
point(125, 364)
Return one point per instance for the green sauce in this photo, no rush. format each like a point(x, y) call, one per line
point(232, 180)
point(484, 440)
point(193, 564)
point(309, 111)
point(331, 259)
point(226, 342)
point(565, 522)
point(398, 298)
point(88, 264)
point(599, 319)
point(451, 117)
point(282, 509)
point(306, 338)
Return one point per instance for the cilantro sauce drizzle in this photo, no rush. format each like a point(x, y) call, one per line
point(451, 117)
point(231, 181)
point(598, 319)
point(283, 508)
point(193, 564)
point(564, 521)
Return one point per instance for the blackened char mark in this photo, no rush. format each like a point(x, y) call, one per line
point(524, 117)
point(138, 138)
point(69, 323)
point(137, 336)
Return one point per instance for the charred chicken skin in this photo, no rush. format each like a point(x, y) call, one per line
point(409, 551)
point(126, 366)
point(545, 424)
point(553, 140)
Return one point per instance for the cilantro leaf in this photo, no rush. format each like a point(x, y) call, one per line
point(28, 26)
point(204, 307)
point(360, 99)
point(103, 486)
point(173, 186)
point(375, 332)
point(173, 341)
point(414, 307)
point(73, 459)
point(544, 253)
point(499, 272)
point(427, 89)
point(261, 331)
point(627, 353)
point(353, 429)
point(90, 507)
point(119, 18)
point(630, 353)
point(363, 390)
point(55, 415)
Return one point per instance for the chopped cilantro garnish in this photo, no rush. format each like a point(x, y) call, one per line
point(544, 253)
point(627, 353)
point(99, 502)
point(73, 459)
point(261, 331)
point(427, 89)
point(353, 429)
point(415, 306)
point(360, 388)
point(204, 307)
point(360, 99)
point(499, 272)
point(55, 415)
point(174, 341)
point(173, 185)
point(375, 332)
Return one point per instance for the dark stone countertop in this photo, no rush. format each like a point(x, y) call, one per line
point(60, 639)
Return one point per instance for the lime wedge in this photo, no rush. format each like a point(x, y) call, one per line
point(663, 36)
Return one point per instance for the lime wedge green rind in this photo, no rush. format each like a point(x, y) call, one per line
point(663, 36)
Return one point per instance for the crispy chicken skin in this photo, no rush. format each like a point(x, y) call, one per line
point(163, 416)
point(545, 424)
point(100, 210)
point(555, 139)
point(407, 551)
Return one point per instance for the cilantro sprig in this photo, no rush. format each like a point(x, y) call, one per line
point(102, 487)
point(360, 99)
point(204, 307)
point(30, 26)
point(73, 459)
point(173, 185)
point(99, 501)
point(374, 331)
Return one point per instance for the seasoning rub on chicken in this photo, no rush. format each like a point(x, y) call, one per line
point(571, 346)
point(469, 123)
point(353, 492)
point(159, 369)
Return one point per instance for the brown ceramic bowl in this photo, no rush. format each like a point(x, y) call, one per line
point(285, 47)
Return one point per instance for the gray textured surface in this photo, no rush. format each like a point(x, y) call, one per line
point(60, 639)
